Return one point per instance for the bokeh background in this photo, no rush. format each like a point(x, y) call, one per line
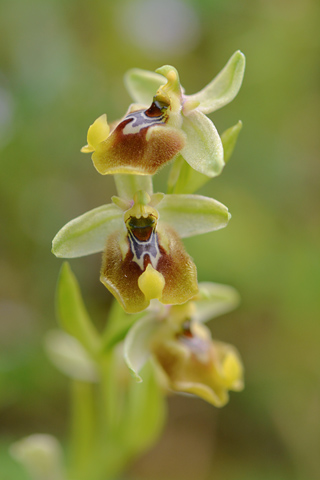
point(62, 64)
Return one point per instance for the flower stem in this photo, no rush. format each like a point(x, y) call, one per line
point(128, 185)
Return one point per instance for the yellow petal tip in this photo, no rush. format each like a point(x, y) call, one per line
point(232, 370)
point(87, 149)
point(97, 133)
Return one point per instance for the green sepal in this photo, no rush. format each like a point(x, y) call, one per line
point(128, 185)
point(203, 150)
point(193, 214)
point(214, 299)
point(142, 85)
point(224, 87)
point(87, 233)
point(72, 313)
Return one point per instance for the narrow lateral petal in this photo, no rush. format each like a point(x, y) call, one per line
point(203, 150)
point(192, 214)
point(142, 84)
point(87, 234)
point(224, 87)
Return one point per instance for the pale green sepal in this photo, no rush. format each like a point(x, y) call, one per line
point(88, 233)
point(203, 150)
point(128, 185)
point(137, 344)
point(229, 140)
point(68, 355)
point(224, 87)
point(193, 214)
point(189, 181)
point(40, 455)
point(72, 314)
point(142, 85)
point(215, 299)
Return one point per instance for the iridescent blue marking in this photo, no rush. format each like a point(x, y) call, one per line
point(140, 249)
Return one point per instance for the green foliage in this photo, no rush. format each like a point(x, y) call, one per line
point(72, 314)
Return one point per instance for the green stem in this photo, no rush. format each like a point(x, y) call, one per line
point(83, 431)
point(111, 455)
point(128, 185)
point(174, 173)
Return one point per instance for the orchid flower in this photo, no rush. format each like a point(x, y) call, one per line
point(164, 122)
point(182, 349)
point(144, 257)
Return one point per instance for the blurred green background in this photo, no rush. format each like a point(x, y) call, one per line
point(62, 64)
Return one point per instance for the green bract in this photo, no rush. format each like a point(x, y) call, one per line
point(71, 311)
point(184, 179)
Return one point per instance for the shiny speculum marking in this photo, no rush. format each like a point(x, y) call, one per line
point(136, 121)
point(143, 240)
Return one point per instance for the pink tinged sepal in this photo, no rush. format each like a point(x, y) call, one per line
point(140, 144)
